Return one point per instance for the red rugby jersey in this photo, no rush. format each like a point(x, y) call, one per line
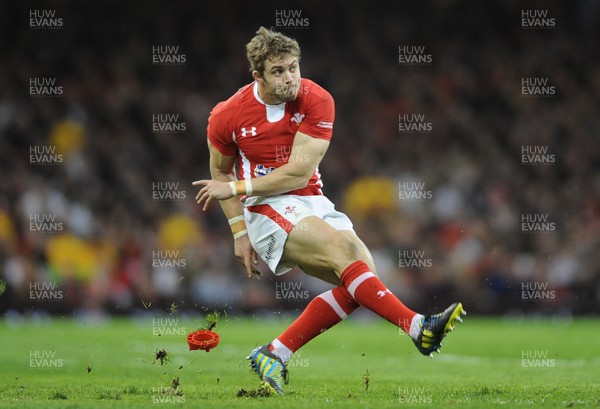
point(261, 135)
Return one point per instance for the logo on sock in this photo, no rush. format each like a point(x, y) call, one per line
point(382, 293)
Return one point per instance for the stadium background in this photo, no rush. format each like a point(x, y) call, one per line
point(467, 237)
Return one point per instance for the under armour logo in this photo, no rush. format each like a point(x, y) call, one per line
point(382, 293)
point(251, 131)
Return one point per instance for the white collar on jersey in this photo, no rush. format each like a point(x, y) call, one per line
point(274, 112)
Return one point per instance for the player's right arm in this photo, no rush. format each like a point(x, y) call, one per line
point(223, 152)
point(222, 169)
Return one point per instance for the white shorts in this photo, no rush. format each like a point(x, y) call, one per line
point(270, 219)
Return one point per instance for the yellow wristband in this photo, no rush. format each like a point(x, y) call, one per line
point(238, 187)
point(237, 227)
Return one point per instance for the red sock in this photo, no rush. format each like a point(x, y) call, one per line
point(322, 313)
point(370, 292)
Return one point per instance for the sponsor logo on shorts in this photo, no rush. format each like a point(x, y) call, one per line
point(270, 249)
point(291, 210)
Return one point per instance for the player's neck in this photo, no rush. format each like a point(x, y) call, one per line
point(266, 98)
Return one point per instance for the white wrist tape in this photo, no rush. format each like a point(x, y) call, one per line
point(240, 234)
point(233, 188)
point(248, 187)
point(235, 219)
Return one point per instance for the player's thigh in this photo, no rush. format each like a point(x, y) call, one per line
point(328, 275)
point(315, 244)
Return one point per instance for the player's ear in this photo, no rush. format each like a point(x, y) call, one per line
point(256, 75)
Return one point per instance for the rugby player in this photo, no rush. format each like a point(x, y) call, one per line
point(266, 143)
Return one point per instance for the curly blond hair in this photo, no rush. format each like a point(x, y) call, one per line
point(269, 45)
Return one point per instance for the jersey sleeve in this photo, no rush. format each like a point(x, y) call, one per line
point(320, 114)
point(219, 133)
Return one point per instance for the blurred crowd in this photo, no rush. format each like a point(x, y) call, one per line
point(96, 200)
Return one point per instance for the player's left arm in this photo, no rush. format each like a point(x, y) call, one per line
point(307, 152)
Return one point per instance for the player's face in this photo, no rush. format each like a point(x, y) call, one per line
point(280, 81)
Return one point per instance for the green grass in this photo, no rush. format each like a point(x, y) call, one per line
point(481, 366)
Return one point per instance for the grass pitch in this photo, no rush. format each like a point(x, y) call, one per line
point(360, 363)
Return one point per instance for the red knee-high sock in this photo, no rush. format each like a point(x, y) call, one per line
point(370, 292)
point(322, 313)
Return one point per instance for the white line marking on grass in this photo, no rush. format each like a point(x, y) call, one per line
point(477, 360)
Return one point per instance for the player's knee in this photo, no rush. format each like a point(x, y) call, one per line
point(343, 252)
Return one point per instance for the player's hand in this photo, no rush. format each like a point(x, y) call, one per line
point(247, 256)
point(212, 189)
